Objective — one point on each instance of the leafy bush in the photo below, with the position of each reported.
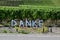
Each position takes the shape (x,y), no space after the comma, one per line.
(4,31)
(24,32)
(45,29)
(39,30)
(31,12)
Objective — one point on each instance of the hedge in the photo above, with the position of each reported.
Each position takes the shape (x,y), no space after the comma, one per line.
(9,13)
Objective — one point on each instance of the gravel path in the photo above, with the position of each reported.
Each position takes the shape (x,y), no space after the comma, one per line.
(29,37)
(47,36)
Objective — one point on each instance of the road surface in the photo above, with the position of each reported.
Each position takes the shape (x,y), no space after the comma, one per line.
(29,36)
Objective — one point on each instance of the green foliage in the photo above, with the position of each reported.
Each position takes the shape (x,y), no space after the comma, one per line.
(24,31)
(25,2)
(4,31)
(31,12)
(38,2)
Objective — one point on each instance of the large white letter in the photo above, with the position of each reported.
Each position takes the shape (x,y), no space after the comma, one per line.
(21,23)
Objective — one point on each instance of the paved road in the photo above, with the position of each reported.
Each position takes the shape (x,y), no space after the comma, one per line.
(29,37)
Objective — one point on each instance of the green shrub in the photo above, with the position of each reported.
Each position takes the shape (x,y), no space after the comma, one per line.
(45,29)
(31,13)
(4,31)
(24,32)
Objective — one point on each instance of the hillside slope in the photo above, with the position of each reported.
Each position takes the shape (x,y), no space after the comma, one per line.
(30,2)
(38,2)
(56,2)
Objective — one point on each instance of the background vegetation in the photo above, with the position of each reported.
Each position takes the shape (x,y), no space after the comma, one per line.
(29,11)
(30,2)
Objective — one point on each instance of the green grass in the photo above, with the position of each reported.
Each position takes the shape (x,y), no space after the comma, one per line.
(20,7)
(39,2)
(28,7)
(43,2)
(56,2)
(34,2)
